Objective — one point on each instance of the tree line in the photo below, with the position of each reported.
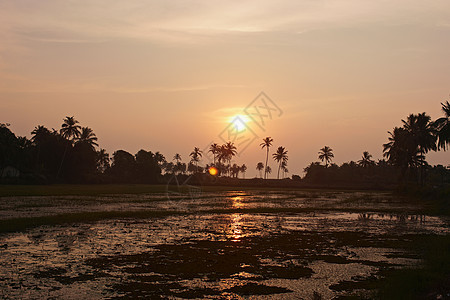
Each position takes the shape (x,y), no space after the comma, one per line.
(72,154)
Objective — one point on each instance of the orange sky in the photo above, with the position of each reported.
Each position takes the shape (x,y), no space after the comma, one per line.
(167,76)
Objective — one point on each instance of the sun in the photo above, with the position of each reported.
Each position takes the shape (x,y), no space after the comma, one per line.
(213,171)
(239,122)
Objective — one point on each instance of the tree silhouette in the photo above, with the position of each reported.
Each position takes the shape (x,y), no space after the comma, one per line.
(280,156)
(260,167)
(243,170)
(195,156)
(215,150)
(88,137)
(102,160)
(284,168)
(267,143)
(177,157)
(326,154)
(366,160)
(268,170)
(422,132)
(69,130)
(442,126)
(401,150)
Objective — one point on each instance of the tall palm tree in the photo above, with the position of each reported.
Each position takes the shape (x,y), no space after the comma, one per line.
(195,156)
(267,143)
(259,167)
(442,126)
(326,154)
(226,153)
(366,160)
(279,156)
(422,132)
(69,129)
(214,149)
(87,136)
(401,150)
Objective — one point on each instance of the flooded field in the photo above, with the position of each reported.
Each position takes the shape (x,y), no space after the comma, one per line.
(233,244)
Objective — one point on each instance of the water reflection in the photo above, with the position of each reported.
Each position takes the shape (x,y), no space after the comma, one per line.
(237,202)
(234,232)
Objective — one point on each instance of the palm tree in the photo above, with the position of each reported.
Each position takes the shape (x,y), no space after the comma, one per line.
(268,170)
(177,157)
(243,170)
(159,157)
(267,143)
(326,154)
(226,153)
(235,170)
(39,134)
(422,132)
(279,156)
(259,167)
(195,156)
(70,129)
(214,149)
(401,150)
(442,126)
(102,160)
(87,136)
(366,160)
(284,168)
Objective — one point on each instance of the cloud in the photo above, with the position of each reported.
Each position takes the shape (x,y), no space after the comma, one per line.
(185,21)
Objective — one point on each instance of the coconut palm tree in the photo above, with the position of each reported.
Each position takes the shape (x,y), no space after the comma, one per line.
(423,135)
(177,157)
(326,154)
(260,167)
(279,156)
(401,150)
(195,156)
(442,126)
(268,170)
(69,129)
(366,160)
(284,168)
(87,136)
(215,150)
(226,153)
(235,170)
(102,160)
(267,143)
(243,170)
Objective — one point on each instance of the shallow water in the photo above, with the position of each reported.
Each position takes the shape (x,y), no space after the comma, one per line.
(219,245)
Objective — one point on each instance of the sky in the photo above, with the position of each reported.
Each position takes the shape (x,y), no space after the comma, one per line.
(169,76)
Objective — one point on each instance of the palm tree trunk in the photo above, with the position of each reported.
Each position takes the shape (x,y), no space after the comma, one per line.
(279,167)
(62,161)
(265,167)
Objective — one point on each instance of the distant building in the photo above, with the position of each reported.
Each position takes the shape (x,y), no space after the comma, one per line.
(9,172)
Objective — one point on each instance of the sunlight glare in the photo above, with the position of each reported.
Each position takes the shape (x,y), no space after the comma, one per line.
(239,122)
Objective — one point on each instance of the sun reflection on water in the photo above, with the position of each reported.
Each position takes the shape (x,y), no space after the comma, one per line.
(237,202)
(235,228)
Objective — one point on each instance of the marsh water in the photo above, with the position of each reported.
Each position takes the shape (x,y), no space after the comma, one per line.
(230,244)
